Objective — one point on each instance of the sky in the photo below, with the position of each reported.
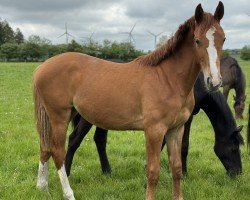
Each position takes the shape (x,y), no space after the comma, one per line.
(109,19)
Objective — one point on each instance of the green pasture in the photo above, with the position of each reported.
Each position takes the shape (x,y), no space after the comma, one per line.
(19,155)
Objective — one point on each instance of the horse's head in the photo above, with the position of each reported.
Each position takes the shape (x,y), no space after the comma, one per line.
(209,38)
(228,151)
(239,106)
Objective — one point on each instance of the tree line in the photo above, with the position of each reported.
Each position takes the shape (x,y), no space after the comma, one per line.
(14,47)
(40,49)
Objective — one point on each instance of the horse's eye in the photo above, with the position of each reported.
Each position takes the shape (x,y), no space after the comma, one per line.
(224,40)
(198,42)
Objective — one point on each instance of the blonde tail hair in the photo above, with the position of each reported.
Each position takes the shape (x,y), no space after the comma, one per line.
(42,121)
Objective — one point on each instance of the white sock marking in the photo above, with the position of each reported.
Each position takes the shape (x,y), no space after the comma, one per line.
(43,174)
(67,191)
(212,54)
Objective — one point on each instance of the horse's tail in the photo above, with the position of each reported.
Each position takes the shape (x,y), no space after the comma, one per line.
(75,120)
(42,121)
(248,128)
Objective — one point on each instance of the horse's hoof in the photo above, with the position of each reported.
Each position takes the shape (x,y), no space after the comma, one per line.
(107,171)
(69,197)
(42,186)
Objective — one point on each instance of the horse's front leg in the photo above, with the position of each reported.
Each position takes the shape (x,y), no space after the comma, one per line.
(154,137)
(174,142)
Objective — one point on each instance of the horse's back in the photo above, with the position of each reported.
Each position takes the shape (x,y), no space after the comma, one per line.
(229,71)
(95,87)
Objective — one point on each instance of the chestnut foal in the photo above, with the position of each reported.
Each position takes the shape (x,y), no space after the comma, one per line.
(153,93)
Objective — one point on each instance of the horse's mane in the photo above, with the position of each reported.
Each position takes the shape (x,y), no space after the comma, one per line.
(174,43)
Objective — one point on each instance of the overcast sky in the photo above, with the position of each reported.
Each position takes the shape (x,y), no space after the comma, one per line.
(109,18)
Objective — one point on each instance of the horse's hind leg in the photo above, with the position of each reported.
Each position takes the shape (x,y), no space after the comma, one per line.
(75,139)
(59,122)
(43,128)
(43,170)
(174,141)
(100,138)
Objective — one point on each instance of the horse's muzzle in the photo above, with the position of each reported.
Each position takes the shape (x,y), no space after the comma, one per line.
(211,86)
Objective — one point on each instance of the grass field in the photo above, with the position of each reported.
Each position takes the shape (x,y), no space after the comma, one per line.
(19,150)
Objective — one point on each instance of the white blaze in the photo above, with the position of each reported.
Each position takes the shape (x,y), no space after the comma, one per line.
(212,55)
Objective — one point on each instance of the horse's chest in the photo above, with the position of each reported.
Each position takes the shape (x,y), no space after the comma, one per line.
(183,113)
(172,113)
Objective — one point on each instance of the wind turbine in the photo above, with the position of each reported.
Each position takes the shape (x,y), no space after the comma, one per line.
(155,36)
(89,38)
(130,36)
(67,34)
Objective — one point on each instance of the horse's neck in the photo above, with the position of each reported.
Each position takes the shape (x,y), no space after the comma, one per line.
(184,66)
(240,85)
(218,112)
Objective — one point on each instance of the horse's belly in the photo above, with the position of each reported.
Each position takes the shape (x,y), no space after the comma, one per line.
(111,116)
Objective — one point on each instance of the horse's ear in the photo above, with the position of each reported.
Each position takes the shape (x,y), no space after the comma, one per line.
(219,12)
(199,14)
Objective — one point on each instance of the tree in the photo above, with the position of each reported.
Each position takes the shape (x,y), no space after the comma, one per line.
(19,38)
(123,51)
(1,33)
(35,39)
(92,48)
(106,49)
(31,52)
(127,51)
(7,33)
(245,53)
(73,46)
(9,51)
(41,47)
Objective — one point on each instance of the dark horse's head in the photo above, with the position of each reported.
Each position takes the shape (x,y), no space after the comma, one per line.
(239,106)
(228,151)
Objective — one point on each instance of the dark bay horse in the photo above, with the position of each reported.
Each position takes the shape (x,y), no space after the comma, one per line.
(153,93)
(234,78)
(227,134)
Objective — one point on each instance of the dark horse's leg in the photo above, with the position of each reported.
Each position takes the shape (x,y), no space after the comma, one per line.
(75,140)
(185,145)
(100,138)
